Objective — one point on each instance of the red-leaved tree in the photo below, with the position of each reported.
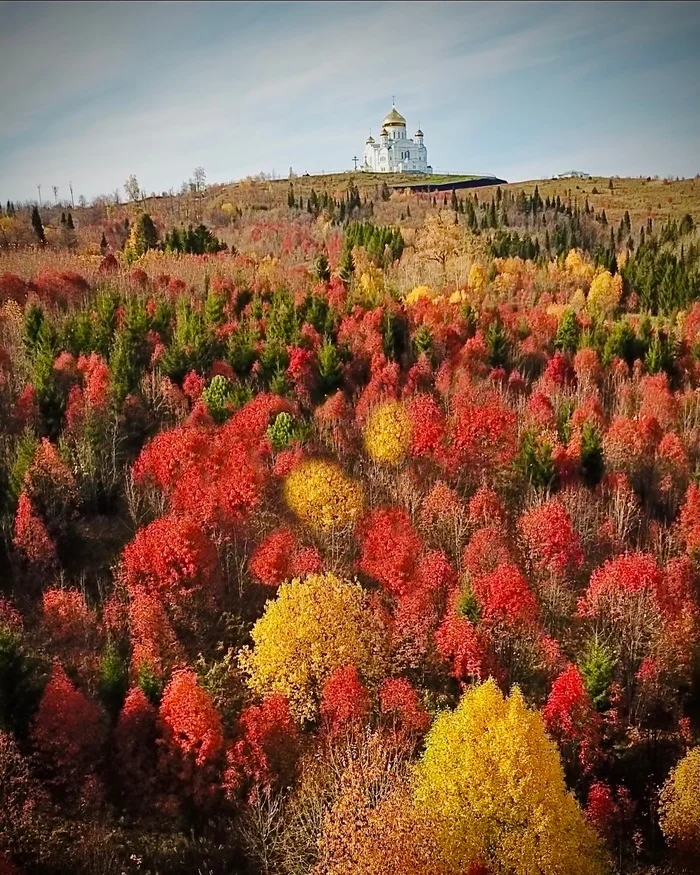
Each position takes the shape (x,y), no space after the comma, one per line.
(68,731)
(193,740)
(344,700)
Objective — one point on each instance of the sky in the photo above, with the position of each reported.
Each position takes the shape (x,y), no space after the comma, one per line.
(93,92)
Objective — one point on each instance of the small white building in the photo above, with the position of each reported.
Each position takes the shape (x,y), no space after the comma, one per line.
(395,153)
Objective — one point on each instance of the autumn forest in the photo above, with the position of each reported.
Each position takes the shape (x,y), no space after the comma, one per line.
(347,529)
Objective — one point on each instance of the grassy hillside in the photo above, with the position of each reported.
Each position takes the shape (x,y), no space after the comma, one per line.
(657,199)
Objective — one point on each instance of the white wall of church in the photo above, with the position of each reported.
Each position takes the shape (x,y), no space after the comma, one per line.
(396,152)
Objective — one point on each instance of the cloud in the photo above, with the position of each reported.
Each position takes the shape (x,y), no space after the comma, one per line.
(103,90)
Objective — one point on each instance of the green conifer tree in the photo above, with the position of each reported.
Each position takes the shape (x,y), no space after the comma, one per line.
(38,226)
(346,267)
(143,236)
(568,332)
(322,269)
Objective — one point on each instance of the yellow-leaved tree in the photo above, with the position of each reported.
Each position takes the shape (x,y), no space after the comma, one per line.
(605,293)
(419,293)
(493,784)
(312,627)
(578,266)
(439,239)
(680,808)
(477,278)
(322,495)
(388,433)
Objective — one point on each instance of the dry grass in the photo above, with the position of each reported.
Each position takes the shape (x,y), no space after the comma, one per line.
(657,199)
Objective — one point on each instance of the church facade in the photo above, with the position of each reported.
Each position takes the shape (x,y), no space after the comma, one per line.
(395,153)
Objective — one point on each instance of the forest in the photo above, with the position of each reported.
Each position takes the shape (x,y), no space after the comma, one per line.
(348,530)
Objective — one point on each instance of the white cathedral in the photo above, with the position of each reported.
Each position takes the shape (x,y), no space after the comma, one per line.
(395,153)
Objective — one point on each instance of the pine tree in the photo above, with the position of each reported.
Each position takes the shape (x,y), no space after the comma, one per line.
(38,226)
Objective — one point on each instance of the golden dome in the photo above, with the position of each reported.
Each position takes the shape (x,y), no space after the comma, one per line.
(394,119)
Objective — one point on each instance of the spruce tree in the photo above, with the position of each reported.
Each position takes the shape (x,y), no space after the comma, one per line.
(38,226)
(290,197)
(455,203)
(69,222)
(103,244)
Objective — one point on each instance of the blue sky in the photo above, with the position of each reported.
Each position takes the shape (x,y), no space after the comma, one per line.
(95,91)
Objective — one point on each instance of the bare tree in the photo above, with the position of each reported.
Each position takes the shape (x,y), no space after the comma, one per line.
(200,178)
(70,186)
(55,194)
(132,188)
(116,197)
(39,190)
